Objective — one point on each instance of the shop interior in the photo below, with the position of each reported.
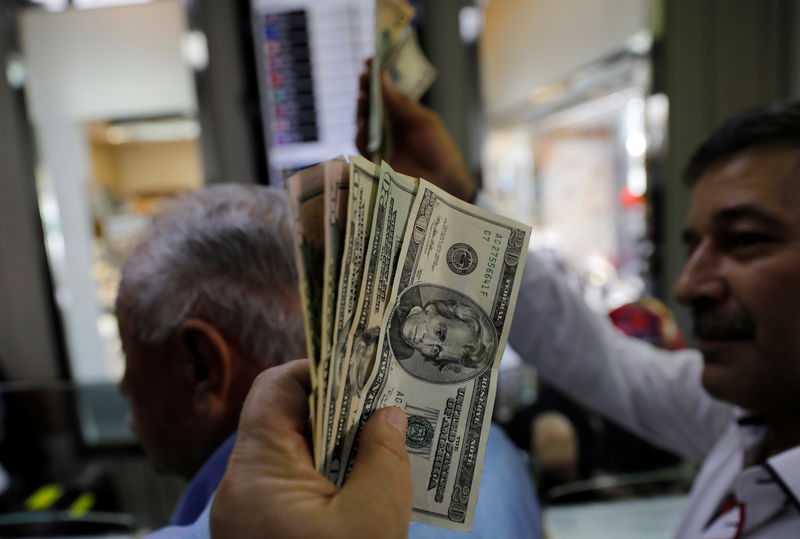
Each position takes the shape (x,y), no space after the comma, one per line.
(576,117)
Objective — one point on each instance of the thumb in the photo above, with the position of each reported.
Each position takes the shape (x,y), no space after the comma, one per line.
(380,481)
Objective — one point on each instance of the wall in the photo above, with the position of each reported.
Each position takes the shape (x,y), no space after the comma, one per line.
(527,44)
(232,141)
(107,63)
(93,65)
(142,168)
(28,329)
(454,94)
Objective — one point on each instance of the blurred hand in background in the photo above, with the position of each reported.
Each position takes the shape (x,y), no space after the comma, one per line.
(422,147)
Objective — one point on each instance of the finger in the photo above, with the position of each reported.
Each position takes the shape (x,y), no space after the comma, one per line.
(363,79)
(362,109)
(361,136)
(397,103)
(363,82)
(275,413)
(279,389)
(404,111)
(362,105)
(362,121)
(380,481)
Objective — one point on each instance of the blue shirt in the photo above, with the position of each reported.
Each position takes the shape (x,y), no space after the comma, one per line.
(204,483)
(507,505)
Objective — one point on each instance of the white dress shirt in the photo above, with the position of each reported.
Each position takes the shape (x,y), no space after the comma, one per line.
(658,395)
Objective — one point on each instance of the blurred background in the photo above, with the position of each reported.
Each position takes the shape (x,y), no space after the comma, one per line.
(576,116)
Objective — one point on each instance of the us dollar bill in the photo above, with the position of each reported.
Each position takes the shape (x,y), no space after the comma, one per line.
(337,183)
(440,347)
(392,206)
(307,201)
(392,18)
(363,180)
(408,68)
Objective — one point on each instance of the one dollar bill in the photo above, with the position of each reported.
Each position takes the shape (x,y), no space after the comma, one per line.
(392,19)
(408,68)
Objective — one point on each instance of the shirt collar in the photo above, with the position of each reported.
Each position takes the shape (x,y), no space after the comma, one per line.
(203,485)
(785,468)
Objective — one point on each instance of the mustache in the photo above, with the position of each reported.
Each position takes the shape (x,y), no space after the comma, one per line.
(709,325)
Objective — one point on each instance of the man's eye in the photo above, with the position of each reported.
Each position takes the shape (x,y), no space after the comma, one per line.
(440,332)
(745,240)
(689,247)
(436,350)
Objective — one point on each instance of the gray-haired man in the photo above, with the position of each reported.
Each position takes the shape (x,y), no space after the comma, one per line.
(208,299)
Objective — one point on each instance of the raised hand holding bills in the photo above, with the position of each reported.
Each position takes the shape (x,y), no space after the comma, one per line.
(426,290)
(397,51)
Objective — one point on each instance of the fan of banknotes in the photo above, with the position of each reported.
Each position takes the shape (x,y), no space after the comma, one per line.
(408,295)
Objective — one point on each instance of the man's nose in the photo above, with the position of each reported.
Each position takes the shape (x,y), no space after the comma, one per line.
(701,278)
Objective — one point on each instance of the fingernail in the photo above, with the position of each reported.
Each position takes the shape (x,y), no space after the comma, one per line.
(397,418)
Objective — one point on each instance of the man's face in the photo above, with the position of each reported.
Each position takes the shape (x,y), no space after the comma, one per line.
(742,278)
(433,335)
(161,408)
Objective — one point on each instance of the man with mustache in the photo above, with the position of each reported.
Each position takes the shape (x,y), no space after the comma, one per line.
(734,405)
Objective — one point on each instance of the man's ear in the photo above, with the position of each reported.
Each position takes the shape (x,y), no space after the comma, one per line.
(209,361)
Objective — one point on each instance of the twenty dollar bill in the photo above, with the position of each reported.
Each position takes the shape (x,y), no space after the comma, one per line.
(440,346)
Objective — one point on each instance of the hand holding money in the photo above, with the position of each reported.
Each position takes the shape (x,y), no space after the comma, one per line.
(422,146)
(271,487)
(418,318)
(397,52)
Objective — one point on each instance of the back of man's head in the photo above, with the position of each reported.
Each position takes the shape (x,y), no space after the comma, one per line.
(207,300)
(770,125)
(223,254)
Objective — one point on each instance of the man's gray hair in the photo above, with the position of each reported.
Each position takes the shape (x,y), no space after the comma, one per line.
(223,254)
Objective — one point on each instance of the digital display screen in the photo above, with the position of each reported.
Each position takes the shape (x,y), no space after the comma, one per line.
(310,55)
(289,80)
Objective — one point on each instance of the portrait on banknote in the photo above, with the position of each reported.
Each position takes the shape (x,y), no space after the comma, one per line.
(440,335)
(339,352)
(365,345)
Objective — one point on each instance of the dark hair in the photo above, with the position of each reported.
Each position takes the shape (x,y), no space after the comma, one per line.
(774,124)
